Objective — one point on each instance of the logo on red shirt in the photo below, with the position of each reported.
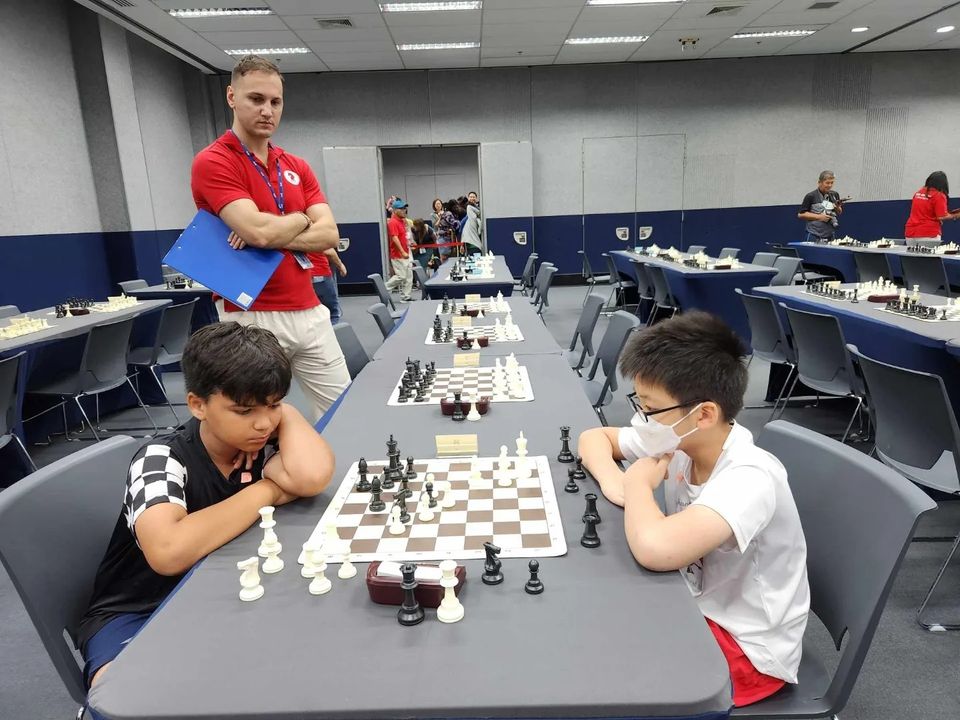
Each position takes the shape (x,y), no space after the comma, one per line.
(291,177)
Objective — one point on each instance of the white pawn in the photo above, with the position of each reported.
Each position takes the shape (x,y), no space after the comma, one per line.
(396,527)
(451,609)
(347,568)
(426,513)
(273,563)
(308,569)
(448,500)
(521,445)
(480,314)
(270,540)
(321,583)
(251,589)
(474,414)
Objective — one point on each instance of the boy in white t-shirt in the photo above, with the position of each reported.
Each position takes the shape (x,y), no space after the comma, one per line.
(731,527)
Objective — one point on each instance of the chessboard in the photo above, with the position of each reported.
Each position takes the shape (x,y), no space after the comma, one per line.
(522,519)
(475,331)
(923,313)
(487,306)
(471,382)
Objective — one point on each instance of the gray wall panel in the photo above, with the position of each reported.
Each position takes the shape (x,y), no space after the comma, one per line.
(660,172)
(493,105)
(609,175)
(507,172)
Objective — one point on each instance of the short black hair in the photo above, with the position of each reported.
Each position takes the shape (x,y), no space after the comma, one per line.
(694,356)
(938,181)
(244,363)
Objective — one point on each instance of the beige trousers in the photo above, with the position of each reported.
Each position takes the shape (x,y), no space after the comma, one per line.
(308,340)
(402,278)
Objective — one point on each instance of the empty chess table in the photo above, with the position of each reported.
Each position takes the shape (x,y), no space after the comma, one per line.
(205,311)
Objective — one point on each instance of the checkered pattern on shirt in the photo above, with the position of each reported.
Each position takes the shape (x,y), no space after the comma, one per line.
(155,477)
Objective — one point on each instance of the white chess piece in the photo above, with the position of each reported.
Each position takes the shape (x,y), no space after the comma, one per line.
(504,478)
(308,569)
(270,540)
(273,563)
(347,568)
(396,527)
(474,414)
(521,445)
(331,532)
(448,500)
(451,609)
(426,513)
(480,314)
(251,589)
(321,583)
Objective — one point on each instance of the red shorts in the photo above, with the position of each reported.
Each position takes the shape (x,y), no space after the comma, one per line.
(749,684)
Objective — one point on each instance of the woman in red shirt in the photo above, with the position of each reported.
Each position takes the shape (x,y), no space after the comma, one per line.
(928,211)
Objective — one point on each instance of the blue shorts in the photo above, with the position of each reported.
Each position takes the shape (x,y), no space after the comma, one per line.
(110,640)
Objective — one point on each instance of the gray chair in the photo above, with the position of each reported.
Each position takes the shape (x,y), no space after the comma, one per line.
(927,271)
(729,252)
(662,297)
(619,284)
(543,289)
(694,249)
(385,320)
(787,269)
(538,282)
(380,287)
(529,272)
(128,286)
(871,266)
(617,333)
(645,291)
(176,326)
(764,258)
(586,272)
(584,332)
(10,403)
(823,362)
(917,435)
(420,273)
(808,276)
(841,495)
(353,351)
(9,311)
(103,367)
(768,340)
(55,526)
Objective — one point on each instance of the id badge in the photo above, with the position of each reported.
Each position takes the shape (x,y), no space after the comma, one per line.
(302,260)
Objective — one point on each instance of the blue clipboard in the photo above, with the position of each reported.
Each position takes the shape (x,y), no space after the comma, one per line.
(203,254)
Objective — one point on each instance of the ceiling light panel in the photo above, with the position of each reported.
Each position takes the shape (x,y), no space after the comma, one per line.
(439,46)
(269,52)
(608,40)
(431,6)
(772,34)
(621,3)
(189,14)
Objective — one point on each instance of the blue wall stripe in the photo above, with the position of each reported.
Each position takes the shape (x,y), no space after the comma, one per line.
(363,256)
(500,240)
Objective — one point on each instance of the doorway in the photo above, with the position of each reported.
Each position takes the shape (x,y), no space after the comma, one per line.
(420,174)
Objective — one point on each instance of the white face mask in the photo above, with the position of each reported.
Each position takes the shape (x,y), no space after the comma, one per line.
(658,439)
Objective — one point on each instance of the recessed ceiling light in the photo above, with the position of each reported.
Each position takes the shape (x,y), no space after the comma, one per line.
(771,34)
(635,2)
(606,40)
(430,6)
(440,46)
(269,51)
(859,29)
(946,28)
(220,12)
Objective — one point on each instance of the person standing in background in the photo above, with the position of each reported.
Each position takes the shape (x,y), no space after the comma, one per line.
(447,228)
(928,210)
(325,280)
(399,248)
(423,234)
(821,208)
(436,212)
(271,199)
(471,234)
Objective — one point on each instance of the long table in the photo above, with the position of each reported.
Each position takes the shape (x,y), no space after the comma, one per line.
(841,259)
(634,641)
(440,284)
(205,311)
(696,289)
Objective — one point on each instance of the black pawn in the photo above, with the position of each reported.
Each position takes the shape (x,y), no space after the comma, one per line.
(571,486)
(404,491)
(410,612)
(565,455)
(401,502)
(458,415)
(364,484)
(591,508)
(376,502)
(578,472)
(534,586)
(431,500)
(590,539)
(492,574)
(411,473)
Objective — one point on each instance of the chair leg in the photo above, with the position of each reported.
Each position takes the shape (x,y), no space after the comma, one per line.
(33,465)
(853,417)
(146,412)
(786,400)
(936,626)
(80,712)
(153,371)
(83,412)
(603,419)
(589,290)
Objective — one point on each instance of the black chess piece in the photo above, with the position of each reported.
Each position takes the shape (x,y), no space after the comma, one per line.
(578,472)
(431,500)
(401,502)
(458,415)
(571,486)
(404,490)
(591,508)
(410,612)
(363,485)
(534,585)
(492,574)
(565,455)
(411,473)
(376,502)
(590,539)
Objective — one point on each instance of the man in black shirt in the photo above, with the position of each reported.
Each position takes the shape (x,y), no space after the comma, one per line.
(192,491)
(821,208)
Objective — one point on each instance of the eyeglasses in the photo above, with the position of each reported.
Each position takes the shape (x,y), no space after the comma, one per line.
(635,404)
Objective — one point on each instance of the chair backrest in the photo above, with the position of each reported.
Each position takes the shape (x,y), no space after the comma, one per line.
(661,291)
(353,351)
(9,311)
(840,494)
(129,285)
(538,282)
(694,249)
(384,320)
(55,526)
(105,354)
(787,268)
(543,287)
(176,326)
(585,270)
(927,271)
(729,252)
(764,258)
(618,331)
(767,337)
(916,427)
(871,266)
(9,395)
(588,322)
(612,269)
(823,362)
(782,249)
(529,270)
(644,283)
(421,274)
(380,287)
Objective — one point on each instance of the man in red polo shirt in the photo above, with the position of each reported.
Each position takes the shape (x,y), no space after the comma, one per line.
(271,199)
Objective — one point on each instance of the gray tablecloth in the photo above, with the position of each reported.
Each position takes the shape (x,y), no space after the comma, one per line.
(502,281)
(606,638)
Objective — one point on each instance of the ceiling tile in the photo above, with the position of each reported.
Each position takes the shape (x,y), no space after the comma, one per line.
(361,21)
(323,7)
(270,38)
